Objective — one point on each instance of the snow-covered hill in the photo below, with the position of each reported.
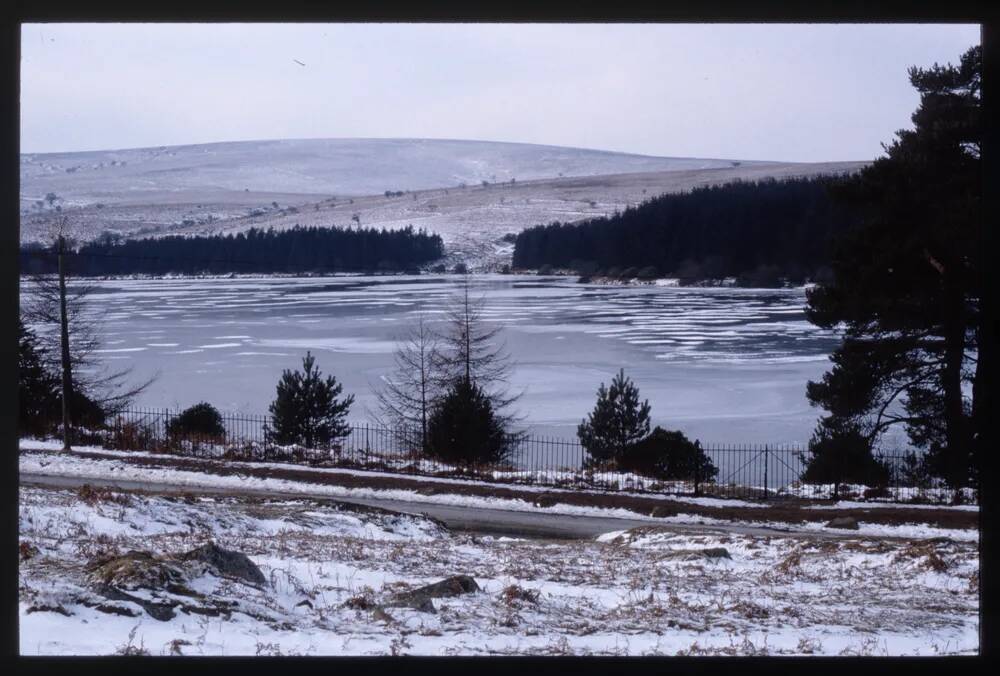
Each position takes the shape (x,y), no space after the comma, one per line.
(320,167)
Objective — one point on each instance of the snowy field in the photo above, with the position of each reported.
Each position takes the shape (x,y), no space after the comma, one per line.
(330,576)
(723,365)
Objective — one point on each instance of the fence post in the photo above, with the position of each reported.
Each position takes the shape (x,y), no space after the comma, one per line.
(836,479)
(696,463)
(766,456)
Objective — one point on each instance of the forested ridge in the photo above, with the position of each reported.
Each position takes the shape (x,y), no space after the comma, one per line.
(300,249)
(757,231)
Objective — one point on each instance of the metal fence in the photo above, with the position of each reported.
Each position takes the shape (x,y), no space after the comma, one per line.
(748,471)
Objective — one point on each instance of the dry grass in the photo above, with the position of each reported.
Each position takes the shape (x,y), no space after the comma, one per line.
(927,551)
(129,648)
(174,646)
(27,551)
(363,600)
(791,562)
(513,595)
(93,496)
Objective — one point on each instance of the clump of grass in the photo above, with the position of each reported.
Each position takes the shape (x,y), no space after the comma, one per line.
(92,496)
(268,649)
(809,646)
(27,550)
(129,648)
(931,558)
(513,595)
(750,610)
(175,646)
(791,562)
(363,600)
(99,548)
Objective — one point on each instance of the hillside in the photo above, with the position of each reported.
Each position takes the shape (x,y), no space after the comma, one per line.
(328,167)
(228,187)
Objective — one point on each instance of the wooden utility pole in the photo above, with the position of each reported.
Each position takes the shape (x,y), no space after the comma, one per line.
(67,380)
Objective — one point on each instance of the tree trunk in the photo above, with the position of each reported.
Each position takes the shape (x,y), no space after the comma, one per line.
(956,437)
(981,389)
(67,375)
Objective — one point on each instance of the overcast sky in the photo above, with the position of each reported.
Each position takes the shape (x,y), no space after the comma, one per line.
(770,92)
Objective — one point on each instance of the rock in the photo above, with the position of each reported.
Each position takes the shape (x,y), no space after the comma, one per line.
(227,563)
(135,570)
(424,606)
(112,578)
(112,609)
(545,500)
(420,599)
(383,616)
(845,522)
(661,511)
(694,554)
(716,553)
(158,611)
(47,608)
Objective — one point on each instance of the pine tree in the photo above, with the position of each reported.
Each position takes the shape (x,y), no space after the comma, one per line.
(907,282)
(464,429)
(471,350)
(38,389)
(617,422)
(307,409)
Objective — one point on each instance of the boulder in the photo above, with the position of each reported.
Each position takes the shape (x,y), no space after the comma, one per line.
(227,563)
(845,522)
(158,611)
(694,554)
(135,570)
(545,500)
(716,553)
(420,598)
(164,579)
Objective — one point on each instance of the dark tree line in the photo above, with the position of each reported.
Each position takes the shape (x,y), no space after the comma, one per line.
(300,249)
(758,230)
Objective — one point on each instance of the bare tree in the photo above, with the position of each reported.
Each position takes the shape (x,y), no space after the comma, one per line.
(472,350)
(69,327)
(408,394)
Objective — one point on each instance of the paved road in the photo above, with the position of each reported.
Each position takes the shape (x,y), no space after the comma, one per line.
(478,520)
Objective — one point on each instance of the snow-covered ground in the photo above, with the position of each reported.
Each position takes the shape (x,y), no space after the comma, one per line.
(329,572)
